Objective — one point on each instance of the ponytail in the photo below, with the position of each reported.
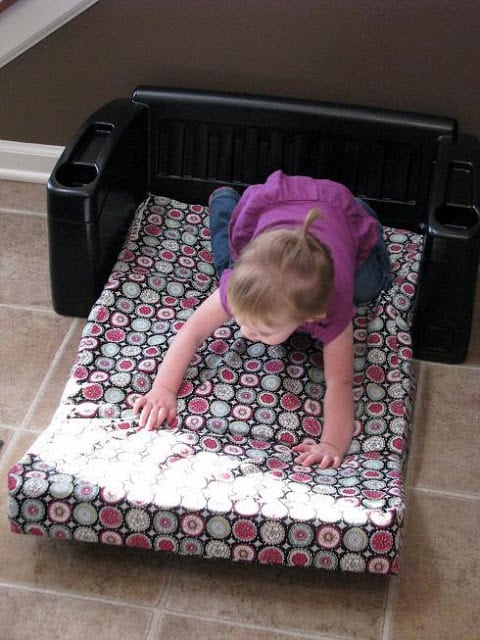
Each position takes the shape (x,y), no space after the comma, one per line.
(285,274)
(312,215)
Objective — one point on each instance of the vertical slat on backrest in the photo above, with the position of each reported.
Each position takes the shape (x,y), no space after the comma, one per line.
(200,140)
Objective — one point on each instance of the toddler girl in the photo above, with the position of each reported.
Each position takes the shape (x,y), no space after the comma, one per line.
(293,254)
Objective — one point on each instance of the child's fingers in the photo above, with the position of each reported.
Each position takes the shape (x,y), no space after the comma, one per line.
(301,447)
(172,414)
(305,459)
(157,417)
(145,415)
(323,460)
(138,404)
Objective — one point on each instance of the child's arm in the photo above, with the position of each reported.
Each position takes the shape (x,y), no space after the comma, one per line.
(160,403)
(338,406)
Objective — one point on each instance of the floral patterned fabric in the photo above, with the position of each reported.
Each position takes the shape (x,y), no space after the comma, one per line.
(222,482)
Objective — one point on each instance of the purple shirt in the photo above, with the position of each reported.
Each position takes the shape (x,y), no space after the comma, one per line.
(345,228)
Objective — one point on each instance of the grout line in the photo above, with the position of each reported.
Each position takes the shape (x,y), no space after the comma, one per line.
(79,596)
(26,307)
(156,613)
(48,375)
(18,428)
(279,632)
(151,633)
(392,589)
(23,212)
(460,365)
(445,493)
(6,451)
(171,575)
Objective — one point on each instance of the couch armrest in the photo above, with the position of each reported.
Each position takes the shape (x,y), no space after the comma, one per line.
(449,274)
(92,193)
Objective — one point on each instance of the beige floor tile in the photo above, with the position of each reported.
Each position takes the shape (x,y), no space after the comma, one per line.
(446,446)
(439,581)
(23,196)
(5,436)
(29,342)
(279,598)
(127,575)
(174,627)
(50,396)
(23,440)
(473,355)
(45,616)
(24,271)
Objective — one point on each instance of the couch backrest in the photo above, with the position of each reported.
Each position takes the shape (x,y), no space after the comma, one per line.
(199,140)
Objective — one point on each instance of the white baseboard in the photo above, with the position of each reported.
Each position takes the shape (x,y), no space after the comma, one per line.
(25,23)
(26,161)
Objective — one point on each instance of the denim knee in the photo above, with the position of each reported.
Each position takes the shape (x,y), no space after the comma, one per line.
(222,202)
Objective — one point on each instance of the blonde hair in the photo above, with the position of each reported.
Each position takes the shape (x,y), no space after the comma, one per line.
(283,276)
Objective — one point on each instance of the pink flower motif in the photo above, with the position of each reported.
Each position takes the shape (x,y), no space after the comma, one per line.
(270,555)
(219,346)
(397,407)
(165,544)
(102,314)
(152,230)
(206,256)
(92,391)
(276,463)
(301,477)
(245,530)
(211,444)
(381,541)
(299,559)
(185,389)
(228,375)
(290,402)
(267,398)
(274,366)
(138,540)
(198,405)
(111,517)
(311,426)
(188,303)
(375,373)
(115,335)
(80,372)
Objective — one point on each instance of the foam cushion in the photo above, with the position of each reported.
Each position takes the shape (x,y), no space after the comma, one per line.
(222,482)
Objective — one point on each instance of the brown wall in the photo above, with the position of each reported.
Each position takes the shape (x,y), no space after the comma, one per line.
(418,55)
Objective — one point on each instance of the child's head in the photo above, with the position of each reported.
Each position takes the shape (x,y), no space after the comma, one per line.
(283,278)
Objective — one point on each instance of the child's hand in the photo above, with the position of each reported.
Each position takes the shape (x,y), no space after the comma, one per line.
(156,407)
(326,455)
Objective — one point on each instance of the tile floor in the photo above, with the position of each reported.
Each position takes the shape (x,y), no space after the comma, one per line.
(61,591)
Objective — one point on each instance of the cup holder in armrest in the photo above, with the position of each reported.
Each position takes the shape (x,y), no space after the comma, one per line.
(458,214)
(458,217)
(76,174)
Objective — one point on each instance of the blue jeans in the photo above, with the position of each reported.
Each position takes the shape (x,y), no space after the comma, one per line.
(373,276)
(222,202)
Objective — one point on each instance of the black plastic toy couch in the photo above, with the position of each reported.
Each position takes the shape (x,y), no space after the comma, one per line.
(130,247)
